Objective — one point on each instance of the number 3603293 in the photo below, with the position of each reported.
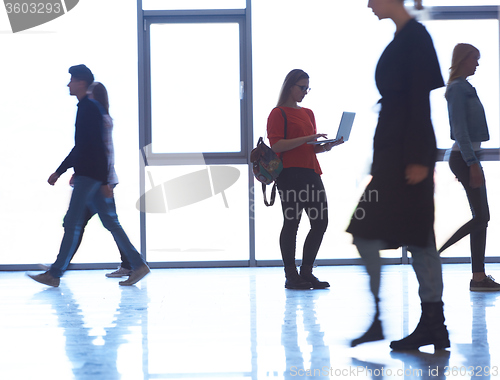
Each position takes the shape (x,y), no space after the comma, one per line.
(471,371)
(33,8)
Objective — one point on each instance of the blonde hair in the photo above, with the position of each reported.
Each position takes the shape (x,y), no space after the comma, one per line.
(460,53)
(99,93)
(292,77)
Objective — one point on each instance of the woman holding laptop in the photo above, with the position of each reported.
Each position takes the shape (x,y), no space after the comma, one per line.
(299,184)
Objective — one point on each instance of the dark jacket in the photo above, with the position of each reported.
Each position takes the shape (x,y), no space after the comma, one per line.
(88,156)
(389,209)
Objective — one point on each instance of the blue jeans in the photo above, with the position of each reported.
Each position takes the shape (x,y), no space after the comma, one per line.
(87,193)
(88,215)
(425,260)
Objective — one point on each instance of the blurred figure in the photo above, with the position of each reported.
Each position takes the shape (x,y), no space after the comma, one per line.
(397,207)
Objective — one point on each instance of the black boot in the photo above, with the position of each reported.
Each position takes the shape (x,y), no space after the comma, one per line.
(306,274)
(294,281)
(430,330)
(374,332)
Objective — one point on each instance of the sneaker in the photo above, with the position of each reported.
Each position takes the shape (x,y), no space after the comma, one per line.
(488,284)
(120,272)
(136,275)
(46,279)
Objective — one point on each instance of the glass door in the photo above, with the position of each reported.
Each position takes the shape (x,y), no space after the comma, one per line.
(195,198)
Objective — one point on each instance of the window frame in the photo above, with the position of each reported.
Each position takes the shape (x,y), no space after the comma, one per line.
(147,158)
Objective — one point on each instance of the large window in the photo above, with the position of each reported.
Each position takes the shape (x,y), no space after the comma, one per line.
(452,208)
(214,70)
(341,71)
(342,79)
(195,87)
(37,122)
(484,35)
(200,221)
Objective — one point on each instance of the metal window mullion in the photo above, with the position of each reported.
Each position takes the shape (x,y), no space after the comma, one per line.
(141,23)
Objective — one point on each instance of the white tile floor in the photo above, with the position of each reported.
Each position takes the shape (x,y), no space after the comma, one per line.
(237,324)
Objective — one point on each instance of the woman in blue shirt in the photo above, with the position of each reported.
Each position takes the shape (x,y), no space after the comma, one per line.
(469,129)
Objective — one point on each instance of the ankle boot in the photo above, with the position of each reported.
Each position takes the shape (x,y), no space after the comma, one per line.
(294,281)
(306,274)
(430,330)
(374,332)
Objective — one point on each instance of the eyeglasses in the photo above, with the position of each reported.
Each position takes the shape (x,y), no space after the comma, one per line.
(303,88)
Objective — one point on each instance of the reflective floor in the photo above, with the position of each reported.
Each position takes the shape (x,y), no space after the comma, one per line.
(237,324)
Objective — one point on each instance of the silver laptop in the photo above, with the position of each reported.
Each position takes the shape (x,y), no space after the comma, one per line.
(344,129)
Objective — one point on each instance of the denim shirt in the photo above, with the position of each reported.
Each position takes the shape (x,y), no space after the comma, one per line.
(467,118)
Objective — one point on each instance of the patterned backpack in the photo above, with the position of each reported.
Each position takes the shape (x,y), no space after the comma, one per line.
(267,165)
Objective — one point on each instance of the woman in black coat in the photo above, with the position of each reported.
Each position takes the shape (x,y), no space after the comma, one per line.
(397,207)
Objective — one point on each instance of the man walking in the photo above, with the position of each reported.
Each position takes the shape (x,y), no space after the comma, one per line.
(89,161)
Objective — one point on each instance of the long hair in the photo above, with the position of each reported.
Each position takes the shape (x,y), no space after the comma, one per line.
(292,77)
(460,53)
(100,94)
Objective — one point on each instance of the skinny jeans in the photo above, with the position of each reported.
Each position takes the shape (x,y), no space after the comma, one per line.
(302,189)
(87,194)
(478,202)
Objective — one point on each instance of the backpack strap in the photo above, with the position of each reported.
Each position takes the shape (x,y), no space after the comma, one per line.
(273,194)
(264,186)
(284,117)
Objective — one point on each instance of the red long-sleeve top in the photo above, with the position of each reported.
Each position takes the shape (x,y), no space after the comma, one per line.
(300,122)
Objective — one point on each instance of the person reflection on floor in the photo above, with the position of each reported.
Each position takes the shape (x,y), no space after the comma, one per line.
(371,370)
(477,353)
(89,356)
(299,303)
(422,365)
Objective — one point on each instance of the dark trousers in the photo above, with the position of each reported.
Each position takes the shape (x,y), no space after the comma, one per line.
(300,190)
(477,226)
